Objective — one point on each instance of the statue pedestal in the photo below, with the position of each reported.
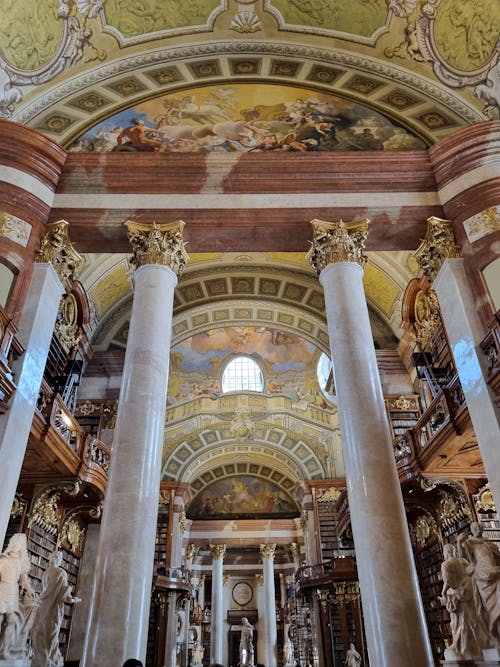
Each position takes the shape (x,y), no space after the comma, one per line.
(491,658)
(452,660)
(15,662)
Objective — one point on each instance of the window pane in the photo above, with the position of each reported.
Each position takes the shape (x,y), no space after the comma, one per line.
(242,374)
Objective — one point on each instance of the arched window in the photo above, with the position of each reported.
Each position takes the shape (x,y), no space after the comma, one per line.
(242,374)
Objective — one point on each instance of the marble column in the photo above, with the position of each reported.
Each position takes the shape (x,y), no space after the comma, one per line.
(217,633)
(35,333)
(267,552)
(438,257)
(394,618)
(119,613)
(171,633)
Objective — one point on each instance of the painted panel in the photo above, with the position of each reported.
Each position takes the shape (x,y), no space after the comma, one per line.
(247,118)
(30,33)
(241,497)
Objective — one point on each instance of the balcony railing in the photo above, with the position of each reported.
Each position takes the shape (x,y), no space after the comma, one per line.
(491,348)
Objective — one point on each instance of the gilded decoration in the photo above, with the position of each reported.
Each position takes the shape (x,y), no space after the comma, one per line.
(294,550)
(330,495)
(242,424)
(437,245)
(45,512)
(451,510)
(18,505)
(218,551)
(482,224)
(56,248)
(267,551)
(191,551)
(259,579)
(14,228)
(484,501)
(182,521)
(422,530)
(427,316)
(158,244)
(337,242)
(74,534)
(67,329)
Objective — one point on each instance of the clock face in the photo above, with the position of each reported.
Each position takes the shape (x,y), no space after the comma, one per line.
(242,593)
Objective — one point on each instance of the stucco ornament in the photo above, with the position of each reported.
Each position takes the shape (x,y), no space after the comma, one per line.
(33,57)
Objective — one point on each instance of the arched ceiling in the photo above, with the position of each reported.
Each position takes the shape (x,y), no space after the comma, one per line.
(431,65)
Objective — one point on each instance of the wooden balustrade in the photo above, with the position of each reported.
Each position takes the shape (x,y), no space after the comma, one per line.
(490,345)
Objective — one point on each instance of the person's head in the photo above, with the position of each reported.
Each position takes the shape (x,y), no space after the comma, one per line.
(449,551)
(132,662)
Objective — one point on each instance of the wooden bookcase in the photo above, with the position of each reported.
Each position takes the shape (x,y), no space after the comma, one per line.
(41,544)
(403,412)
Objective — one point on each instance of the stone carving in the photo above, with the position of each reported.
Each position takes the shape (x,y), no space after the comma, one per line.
(242,425)
(437,245)
(245,21)
(469,633)
(246,643)
(56,248)
(337,242)
(14,228)
(49,614)
(483,557)
(352,657)
(16,599)
(158,244)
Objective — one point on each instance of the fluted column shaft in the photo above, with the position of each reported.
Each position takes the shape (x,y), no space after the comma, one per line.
(464,331)
(35,333)
(394,618)
(118,625)
(217,632)
(271,634)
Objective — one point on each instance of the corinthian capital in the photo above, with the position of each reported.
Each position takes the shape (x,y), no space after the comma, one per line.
(267,551)
(218,551)
(337,242)
(158,244)
(437,245)
(56,248)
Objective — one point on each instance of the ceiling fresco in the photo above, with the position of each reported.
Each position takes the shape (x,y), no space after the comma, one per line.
(247,118)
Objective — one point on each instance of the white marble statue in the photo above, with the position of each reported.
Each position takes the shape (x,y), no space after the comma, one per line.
(288,653)
(468,630)
(352,657)
(16,598)
(483,557)
(49,614)
(246,643)
(197,653)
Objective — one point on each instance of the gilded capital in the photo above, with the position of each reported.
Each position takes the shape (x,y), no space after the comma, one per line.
(337,242)
(191,551)
(56,248)
(158,244)
(218,551)
(437,245)
(267,551)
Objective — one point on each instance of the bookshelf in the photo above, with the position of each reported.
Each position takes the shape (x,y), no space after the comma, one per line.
(41,544)
(403,413)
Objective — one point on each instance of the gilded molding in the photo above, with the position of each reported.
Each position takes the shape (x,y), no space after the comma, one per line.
(191,551)
(267,551)
(158,244)
(337,242)
(218,551)
(437,245)
(329,495)
(56,248)
(182,521)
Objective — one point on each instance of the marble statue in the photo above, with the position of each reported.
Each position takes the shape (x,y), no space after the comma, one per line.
(288,654)
(16,598)
(483,557)
(246,643)
(468,630)
(49,614)
(197,653)
(352,657)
